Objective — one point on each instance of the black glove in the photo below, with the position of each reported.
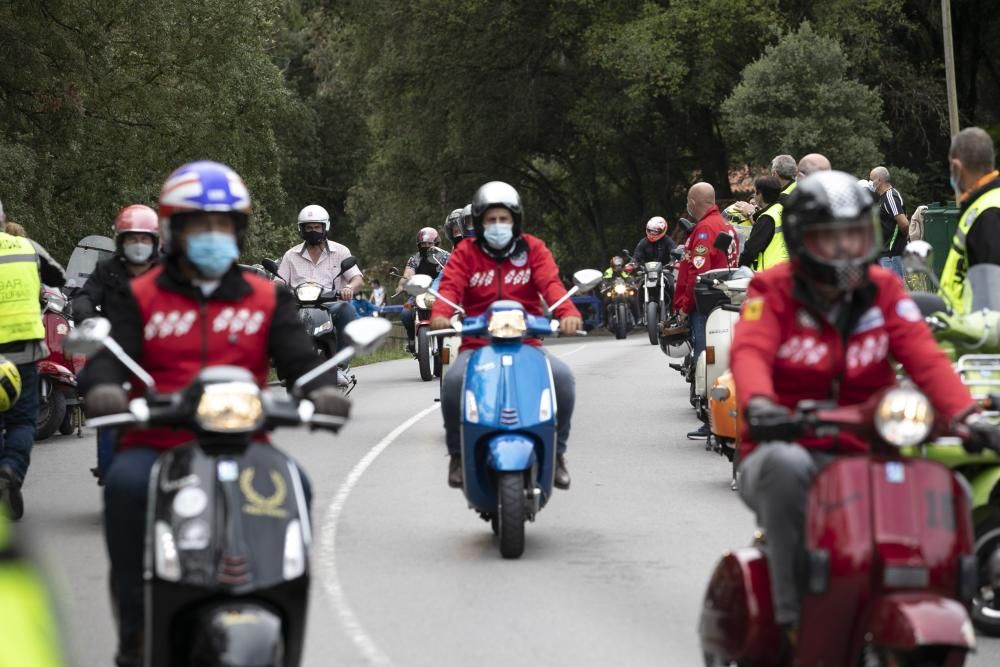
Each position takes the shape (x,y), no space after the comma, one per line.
(105,399)
(330,401)
(982,434)
(768,421)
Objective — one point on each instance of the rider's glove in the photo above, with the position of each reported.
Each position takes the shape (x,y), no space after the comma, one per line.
(330,401)
(768,421)
(106,399)
(982,434)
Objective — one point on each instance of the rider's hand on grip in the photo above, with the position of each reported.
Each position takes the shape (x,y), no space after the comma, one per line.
(768,421)
(439,323)
(982,434)
(106,399)
(329,401)
(568,326)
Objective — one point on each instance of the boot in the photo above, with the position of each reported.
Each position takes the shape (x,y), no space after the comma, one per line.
(411,346)
(11,501)
(562,478)
(455,472)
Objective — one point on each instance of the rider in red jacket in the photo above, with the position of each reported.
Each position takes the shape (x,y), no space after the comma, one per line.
(502,263)
(826,325)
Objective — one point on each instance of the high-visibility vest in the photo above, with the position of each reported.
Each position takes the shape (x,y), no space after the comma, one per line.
(957,263)
(20,285)
(776,252)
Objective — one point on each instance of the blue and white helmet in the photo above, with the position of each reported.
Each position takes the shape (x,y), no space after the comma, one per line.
(203,186)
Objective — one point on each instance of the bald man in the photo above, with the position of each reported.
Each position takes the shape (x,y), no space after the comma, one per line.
(974,177)
(700,255)
(892,216)
(810,164)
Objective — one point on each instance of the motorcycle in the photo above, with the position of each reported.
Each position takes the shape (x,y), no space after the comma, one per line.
(310,298)
(508,413)
(658,297)
(890,564)
(59,407)
(428,348)
(228,530)
(618,296)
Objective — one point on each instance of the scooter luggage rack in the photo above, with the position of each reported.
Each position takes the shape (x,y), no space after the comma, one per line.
(979,371)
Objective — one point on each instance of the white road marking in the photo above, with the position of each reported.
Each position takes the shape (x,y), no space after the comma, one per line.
(327,556)
(573,351)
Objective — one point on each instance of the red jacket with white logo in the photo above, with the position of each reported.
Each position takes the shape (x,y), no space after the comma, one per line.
(786,351)
(475,279)
(700,255)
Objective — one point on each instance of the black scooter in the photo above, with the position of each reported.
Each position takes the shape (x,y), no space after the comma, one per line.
(228,532)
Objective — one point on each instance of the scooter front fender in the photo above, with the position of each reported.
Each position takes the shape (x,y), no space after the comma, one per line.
(238,635)
(983,485)
(510,452)
(57,372)
(908,621)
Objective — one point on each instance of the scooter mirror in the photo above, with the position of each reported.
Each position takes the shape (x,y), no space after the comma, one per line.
(418,284)
(88,337)
(678,252)
(587,279)
(367,333)
(270,265)
(348,263)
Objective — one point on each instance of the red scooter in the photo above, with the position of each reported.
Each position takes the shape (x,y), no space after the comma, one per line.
(58,401)
(890,561)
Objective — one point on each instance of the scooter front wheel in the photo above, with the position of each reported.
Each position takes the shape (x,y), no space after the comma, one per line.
(986,605)
(511,513)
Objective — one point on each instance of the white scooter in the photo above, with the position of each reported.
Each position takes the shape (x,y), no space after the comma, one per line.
(719,293)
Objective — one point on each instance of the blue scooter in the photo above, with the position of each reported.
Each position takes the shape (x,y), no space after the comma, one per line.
(508,413)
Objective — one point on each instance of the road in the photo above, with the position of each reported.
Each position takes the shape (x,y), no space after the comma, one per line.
(404,574)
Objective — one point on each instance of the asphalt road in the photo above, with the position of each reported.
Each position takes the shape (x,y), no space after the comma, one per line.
(404,574)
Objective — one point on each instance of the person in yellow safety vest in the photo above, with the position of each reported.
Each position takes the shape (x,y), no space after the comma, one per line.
(24,265)
(977,238)
(29,633)
(766,245)
(784,168)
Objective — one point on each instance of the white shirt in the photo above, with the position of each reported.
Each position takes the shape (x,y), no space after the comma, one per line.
(297,267)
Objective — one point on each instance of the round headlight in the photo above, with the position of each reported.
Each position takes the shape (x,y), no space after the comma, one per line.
(425,301)
(230,407)
(904,417)
(308,291)
(619,288)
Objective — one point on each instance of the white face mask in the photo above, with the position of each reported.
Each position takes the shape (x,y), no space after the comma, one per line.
(138,253)
(498,235)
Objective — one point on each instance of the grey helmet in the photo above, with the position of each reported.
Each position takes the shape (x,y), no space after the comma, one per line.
(492,194)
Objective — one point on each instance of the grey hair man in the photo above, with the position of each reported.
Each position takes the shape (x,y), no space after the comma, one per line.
(783,168)
(892,215)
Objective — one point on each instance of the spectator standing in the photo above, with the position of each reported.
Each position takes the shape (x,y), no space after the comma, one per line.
(378,294)
(892,215)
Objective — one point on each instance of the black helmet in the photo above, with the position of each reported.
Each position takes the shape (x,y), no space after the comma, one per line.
(496,193)
(826,201)
(468,226)
(453,226)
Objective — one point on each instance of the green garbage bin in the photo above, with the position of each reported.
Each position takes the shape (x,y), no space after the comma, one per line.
(940,221)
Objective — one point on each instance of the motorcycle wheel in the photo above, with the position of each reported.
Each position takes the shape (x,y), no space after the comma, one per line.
(511,514)
(621,321)
(653,322)
(986,604)
(424,355)
(51,413)
(437,362)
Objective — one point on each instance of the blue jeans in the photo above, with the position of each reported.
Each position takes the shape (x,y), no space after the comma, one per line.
(107,438)
(894,264)
(126,492)
(408,318)
(698,323)
(17,425)
(343,312)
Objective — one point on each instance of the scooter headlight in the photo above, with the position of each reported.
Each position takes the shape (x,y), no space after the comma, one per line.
(230,407)
(308,291)
(904,417)
(425,301)
(507,324)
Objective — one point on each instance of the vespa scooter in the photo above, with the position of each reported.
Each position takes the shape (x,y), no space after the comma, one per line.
(508,413)
(58,400)
(228,531)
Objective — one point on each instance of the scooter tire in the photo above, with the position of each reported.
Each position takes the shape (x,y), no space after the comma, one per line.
(621,324)
(67,427)
(424,355)
(511,514)
(653,322)
(986,617)
(51,413)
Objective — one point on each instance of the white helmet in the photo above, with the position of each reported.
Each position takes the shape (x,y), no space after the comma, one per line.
(314,213)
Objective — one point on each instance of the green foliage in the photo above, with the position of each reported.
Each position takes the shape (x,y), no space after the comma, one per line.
(798,99)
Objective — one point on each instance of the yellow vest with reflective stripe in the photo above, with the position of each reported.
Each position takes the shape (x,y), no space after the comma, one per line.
(776,252)
(20,311)
(957,263)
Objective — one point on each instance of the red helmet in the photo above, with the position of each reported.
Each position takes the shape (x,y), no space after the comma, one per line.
(428,235)
(137,218)
(656,229)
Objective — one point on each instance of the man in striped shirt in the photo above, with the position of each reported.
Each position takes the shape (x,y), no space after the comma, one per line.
(892,215)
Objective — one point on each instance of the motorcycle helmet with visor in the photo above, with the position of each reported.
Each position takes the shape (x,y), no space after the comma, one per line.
(831,229)
(453,226)
(656,229)
(427,238)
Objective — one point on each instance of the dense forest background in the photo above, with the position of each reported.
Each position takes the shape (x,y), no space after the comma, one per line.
(391,113)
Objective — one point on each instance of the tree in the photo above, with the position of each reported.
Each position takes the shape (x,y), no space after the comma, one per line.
(798,99)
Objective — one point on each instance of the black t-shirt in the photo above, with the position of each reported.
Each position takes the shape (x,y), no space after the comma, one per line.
(983,240)
(891,205)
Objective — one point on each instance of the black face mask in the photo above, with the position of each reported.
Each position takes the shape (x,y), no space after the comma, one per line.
(314,238)
(455,240)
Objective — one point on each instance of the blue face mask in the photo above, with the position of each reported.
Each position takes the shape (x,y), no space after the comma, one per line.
(212,252)
(499,235)
(953,181)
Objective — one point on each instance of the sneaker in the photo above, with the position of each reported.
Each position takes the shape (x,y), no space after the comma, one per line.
(700,433)
(11,501)
(342,379)
(455,477)
(562,478)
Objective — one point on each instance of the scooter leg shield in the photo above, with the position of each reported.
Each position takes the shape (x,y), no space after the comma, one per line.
(510,453)
(905,622)
(238,635)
